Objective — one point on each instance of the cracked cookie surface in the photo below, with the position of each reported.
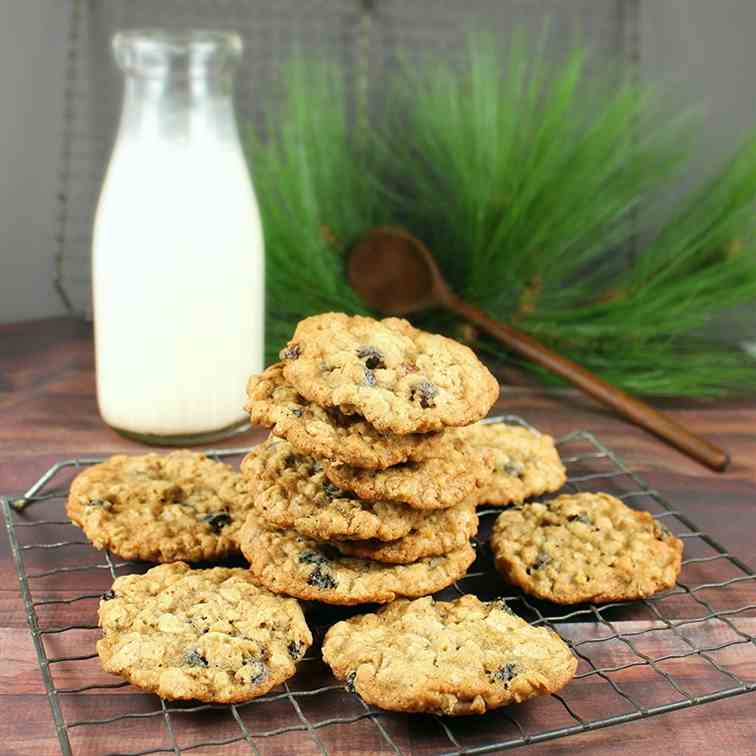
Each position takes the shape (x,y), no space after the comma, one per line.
(526,462)
(450,658)
(161,507)
(447,472)
(585,547)
(400,379)
(292,491)
(325,431)
(439,532)
(206,635)
(285,562)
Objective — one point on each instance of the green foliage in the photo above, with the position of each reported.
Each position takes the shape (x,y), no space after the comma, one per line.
(526,181)
(314,189)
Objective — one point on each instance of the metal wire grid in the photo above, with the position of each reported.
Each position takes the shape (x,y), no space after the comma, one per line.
(363,37)
(589,702)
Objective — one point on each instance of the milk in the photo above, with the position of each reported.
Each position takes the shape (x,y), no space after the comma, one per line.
(178,269)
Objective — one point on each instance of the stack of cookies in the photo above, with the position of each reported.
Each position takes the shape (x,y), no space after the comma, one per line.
(367,487)
(365,492)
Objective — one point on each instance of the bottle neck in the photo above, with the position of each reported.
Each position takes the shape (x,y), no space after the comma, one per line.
(178,108)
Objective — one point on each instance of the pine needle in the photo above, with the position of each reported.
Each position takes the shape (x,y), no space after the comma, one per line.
(315,196)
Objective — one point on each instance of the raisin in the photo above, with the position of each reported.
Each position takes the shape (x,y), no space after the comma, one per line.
(331,491)
(217,520)
(312,557)
(511,467)
(372,356)
(108,596)
(295,649)
(540,561)
(194,658)
(291,352)
(369,377)
(504,674)
(426,392)
(259,672)
(321,579)
(325,553)
(349,682)
(297,411)
(581,517)
(100,504)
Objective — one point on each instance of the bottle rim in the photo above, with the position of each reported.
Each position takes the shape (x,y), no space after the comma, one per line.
(157,52)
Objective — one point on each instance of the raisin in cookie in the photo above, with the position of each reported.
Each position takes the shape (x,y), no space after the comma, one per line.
(206,635)
(446,473)
(585,547)
(285,562)
(526,462)
(439,532)
(400,379)
(293,492)
(161,508)
(451,658)
(325,431)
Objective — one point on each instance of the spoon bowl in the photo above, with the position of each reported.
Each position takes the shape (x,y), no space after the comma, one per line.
(395,273)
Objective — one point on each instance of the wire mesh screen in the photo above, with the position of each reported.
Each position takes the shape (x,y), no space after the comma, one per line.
(684,647)
(363,36)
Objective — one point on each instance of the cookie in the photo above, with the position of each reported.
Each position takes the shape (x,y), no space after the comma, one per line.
(446,473)
(325,432)
(585,547)
(205,635)
(161,508)
(439,532)
(285,562)
(526,462)
(293,492)
(451,658)
(400,379)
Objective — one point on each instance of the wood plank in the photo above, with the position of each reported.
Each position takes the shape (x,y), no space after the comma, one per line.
(48,412)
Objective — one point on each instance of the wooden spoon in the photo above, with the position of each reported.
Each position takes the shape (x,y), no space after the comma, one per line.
(396,274)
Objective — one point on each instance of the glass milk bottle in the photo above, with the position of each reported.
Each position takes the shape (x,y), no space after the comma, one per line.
(178,266)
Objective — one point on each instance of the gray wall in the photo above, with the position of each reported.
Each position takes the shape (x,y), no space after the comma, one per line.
(705,50)
(702,47)
(32,51)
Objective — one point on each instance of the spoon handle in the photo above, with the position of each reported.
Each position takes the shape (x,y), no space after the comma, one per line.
(633,409)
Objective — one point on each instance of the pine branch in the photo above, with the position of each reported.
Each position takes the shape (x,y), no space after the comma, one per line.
(523,182)
(524,179)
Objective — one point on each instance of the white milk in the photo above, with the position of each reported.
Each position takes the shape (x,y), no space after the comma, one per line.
(178,274)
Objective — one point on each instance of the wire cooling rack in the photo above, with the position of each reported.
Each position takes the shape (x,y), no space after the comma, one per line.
(637,659)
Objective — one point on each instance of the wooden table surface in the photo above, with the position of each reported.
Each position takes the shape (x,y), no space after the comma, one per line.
(48,412)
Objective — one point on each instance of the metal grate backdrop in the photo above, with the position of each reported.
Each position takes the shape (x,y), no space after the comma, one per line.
(364,36)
